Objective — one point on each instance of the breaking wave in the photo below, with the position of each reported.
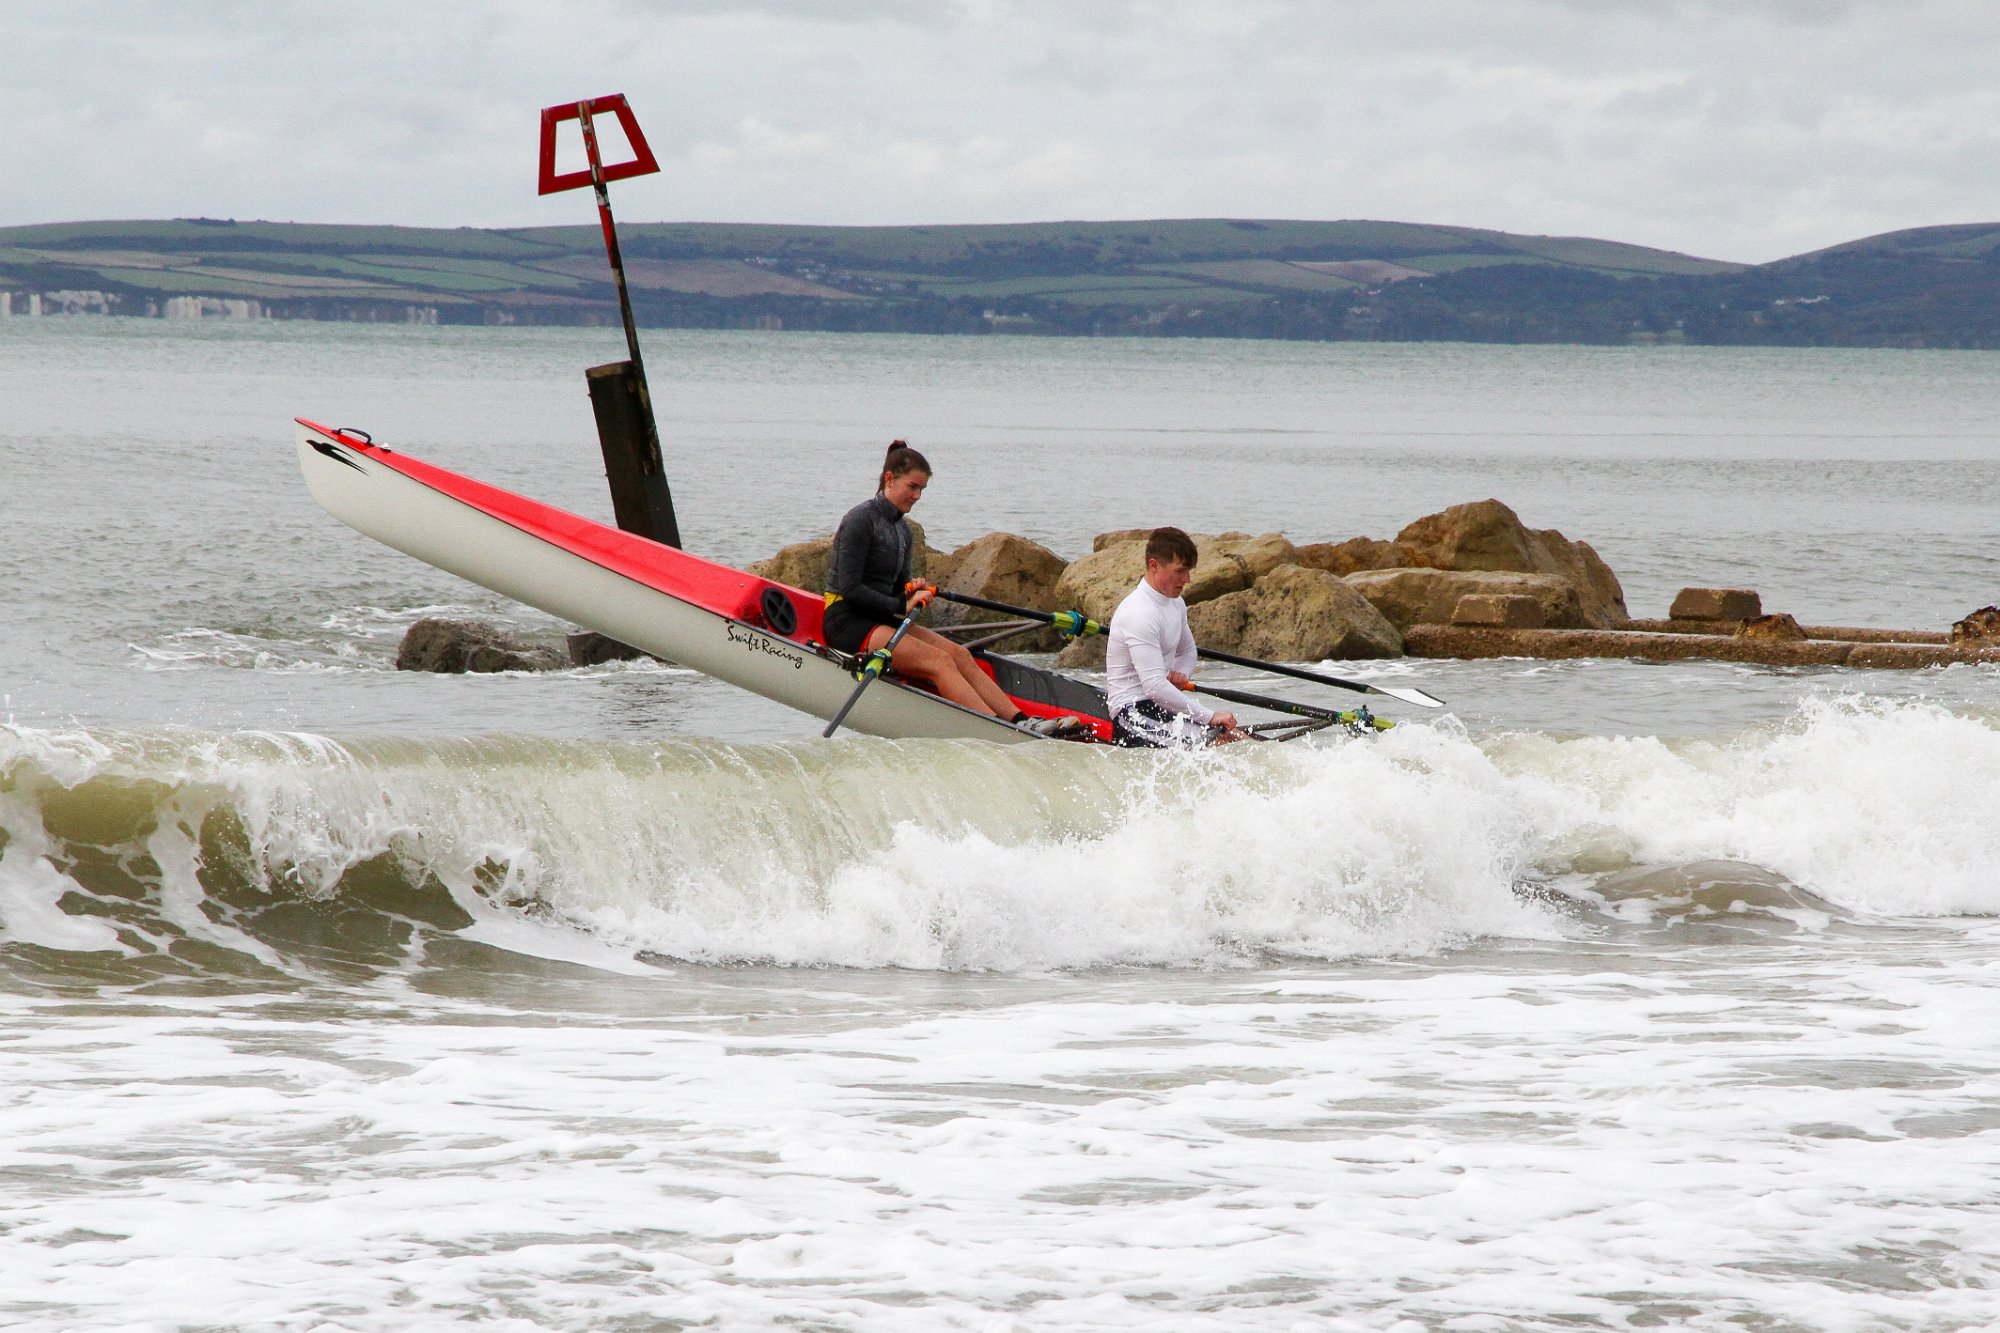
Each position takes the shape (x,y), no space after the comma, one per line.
(152,857)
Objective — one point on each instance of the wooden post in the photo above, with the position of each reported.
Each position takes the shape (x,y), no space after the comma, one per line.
(640,498)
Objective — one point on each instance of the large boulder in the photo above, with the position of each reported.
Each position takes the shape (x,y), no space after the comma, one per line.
(1482,535)
(1407,597)
(1295,614)
(1003,568)
(1487,535)
(1257,555)
(1224,563)
(1352,556)
(1096,583)
(800,565)
(1118,536)
(926,563)
(455,646)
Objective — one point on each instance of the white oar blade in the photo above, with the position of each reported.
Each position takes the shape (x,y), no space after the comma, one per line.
(1408,696)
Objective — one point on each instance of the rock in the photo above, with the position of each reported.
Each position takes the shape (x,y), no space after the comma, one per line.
(1603,596)
(1482,535)
(1257,555)
(1981,629)
(1296,614)
(1292,614)
(1716,604)
(1407,597)
(1352,556)
(935,566)
(1004,568)
(1221,624)
(589,648)
(1778,628)
(800,565)
(1096,584)
(1119,536)
(1086,654)
(453,646)
(1226,563)
(1504,610)
(1487,535)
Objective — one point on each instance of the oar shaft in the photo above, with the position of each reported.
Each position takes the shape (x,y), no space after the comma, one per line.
(1266,701)
(875,664)
(1319,678)
(989,604)
(1280,669)
(1360,717)
(1073,624)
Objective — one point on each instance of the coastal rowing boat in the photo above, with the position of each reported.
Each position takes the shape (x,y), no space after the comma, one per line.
(751,632)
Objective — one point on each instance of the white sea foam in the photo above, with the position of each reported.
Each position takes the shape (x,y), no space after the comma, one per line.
(936,855)
(1683,1145)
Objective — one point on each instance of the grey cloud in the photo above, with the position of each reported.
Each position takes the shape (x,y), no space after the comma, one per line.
(1746,130)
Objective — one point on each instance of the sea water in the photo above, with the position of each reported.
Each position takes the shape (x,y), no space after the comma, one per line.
(1619,996)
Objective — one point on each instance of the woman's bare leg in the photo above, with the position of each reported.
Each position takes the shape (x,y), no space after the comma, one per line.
(962,661)
(946,667)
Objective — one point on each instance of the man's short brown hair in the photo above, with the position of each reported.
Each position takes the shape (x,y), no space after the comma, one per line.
(1168,545)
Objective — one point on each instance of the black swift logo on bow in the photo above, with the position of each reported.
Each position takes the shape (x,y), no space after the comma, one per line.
(333,452)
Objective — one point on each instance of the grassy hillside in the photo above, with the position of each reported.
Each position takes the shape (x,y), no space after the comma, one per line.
(1933,286)
(683,270)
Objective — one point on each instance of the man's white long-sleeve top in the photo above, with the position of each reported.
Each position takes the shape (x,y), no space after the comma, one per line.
(1149,637)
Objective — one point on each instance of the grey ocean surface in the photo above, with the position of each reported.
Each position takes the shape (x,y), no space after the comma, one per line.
(1625,995)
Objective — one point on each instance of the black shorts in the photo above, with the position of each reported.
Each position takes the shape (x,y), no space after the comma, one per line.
(1147,726)
(846,628)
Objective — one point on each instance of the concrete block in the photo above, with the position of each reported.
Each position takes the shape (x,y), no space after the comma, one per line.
(1717,604)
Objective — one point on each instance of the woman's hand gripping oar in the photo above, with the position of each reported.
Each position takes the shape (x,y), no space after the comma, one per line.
(878,661)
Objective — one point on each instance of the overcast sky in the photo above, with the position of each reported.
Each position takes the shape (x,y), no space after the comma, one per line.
(1746,129)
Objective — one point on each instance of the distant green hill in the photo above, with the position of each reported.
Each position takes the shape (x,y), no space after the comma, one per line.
(1213,277)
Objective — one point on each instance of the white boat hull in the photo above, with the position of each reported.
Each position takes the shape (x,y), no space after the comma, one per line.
(367,489)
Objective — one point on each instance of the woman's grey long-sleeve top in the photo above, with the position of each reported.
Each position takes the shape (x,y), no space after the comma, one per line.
(871,560)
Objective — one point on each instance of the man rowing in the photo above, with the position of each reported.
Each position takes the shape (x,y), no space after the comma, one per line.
(1150,653)
(869,593)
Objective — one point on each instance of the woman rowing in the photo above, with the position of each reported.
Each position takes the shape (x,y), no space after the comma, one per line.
(869,592)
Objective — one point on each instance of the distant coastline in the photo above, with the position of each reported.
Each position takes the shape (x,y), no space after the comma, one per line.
(1351,280)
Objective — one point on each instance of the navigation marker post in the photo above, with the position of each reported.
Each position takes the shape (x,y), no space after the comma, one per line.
(619,398)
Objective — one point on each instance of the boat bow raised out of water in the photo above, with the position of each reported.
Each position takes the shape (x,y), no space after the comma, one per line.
(723,622)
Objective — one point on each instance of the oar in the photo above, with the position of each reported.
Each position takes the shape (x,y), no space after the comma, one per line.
(1069,624)
(1359,717)
(1075,625)
(1408,696)
(877,662)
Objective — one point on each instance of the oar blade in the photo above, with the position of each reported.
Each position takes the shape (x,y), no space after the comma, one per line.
(1407,695)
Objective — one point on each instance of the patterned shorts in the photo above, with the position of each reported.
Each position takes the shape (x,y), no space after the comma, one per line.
(1147,726)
